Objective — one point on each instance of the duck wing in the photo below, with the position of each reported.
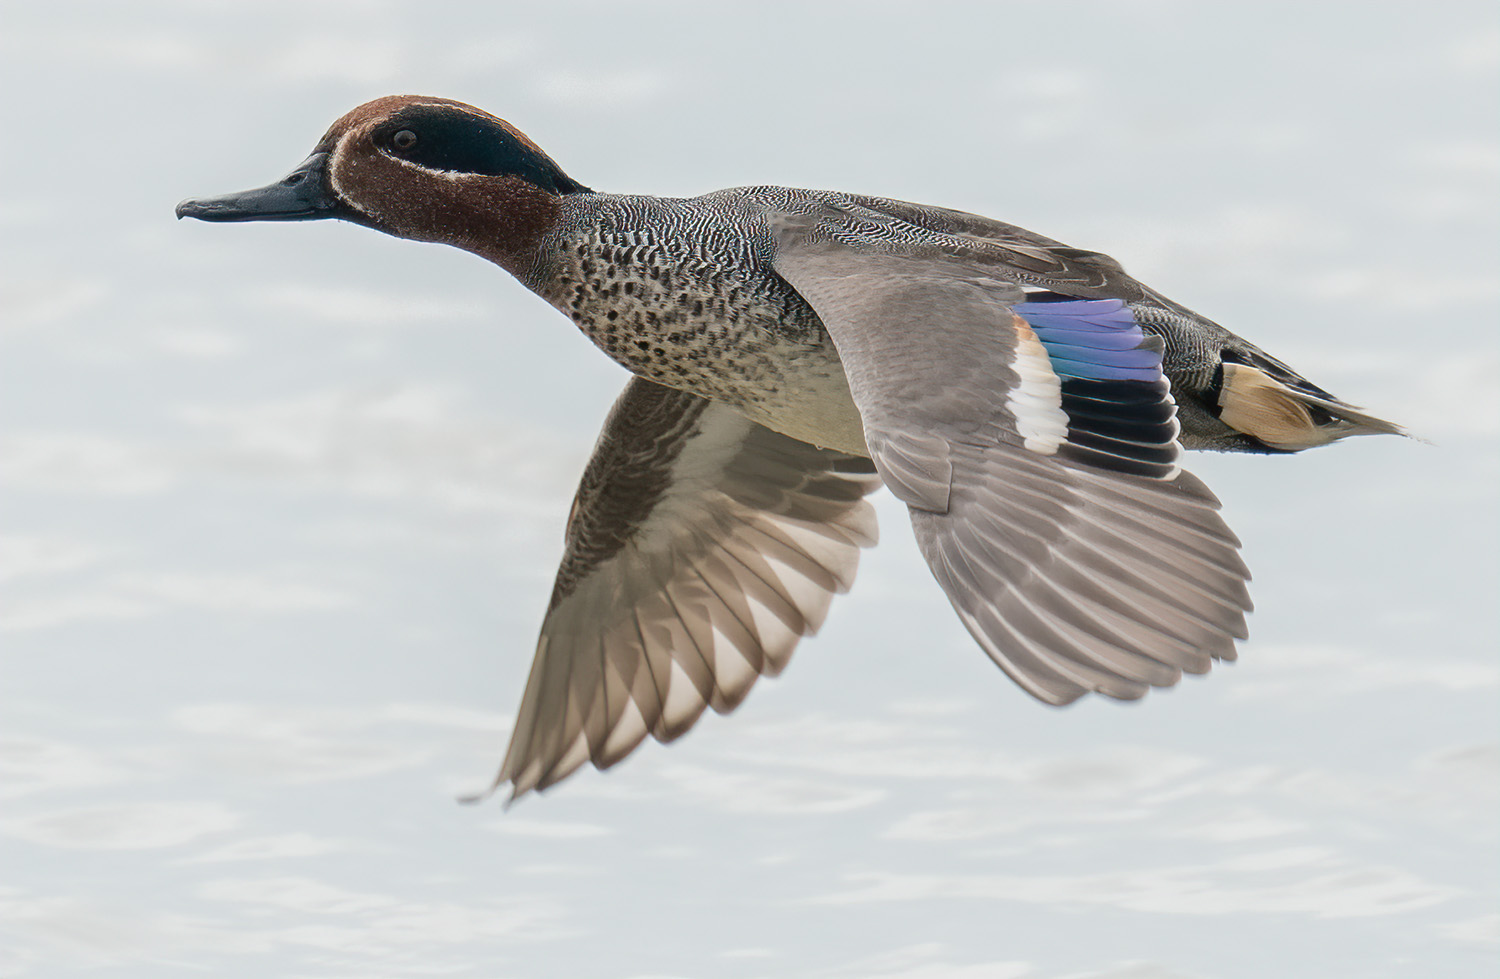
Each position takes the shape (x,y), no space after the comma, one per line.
(1033,260)
(1034,440)
(1240,385)
(700,548)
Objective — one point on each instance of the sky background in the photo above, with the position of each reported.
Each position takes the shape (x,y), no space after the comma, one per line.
(280,507)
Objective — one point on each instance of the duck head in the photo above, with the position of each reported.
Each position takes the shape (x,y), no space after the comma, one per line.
(423,168)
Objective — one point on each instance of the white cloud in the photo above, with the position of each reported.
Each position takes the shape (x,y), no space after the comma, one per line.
(277,847)
(373,933)
(197,343)
(482,55)
(446,715)
(1482,930)
(559,870)
(26,614)
(1307,670)
(1449,292)
(1476,54)
(1453,397)
(367,306)
(868,747)
(930,960)
(1239,825)
(67,930)
(339,57)
(1459,157)
(1049,84)
(32,556)
(1043,105)
(1308,881)
(299,894)
(398,440)
(601,88)
(356,933)
(963,823)
(127,826)
(1035,817)
(31,765)
(946,707)
(916,747)
(145,594)
(327,743)
(549,829)
(395,440)
(79,462)
(1234,243)
(372,923)
(748,953)
(255,720)
(258,592)
(755,793)
(1473,768)
(1239,246)
(151,51)
(1134,970)
(295,745)
(45,302)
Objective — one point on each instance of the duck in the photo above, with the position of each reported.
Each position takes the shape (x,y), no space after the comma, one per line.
(791,352)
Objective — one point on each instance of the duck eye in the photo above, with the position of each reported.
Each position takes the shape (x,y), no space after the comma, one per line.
(404,140)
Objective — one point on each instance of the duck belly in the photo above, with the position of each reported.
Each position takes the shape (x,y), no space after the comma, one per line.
(805,397)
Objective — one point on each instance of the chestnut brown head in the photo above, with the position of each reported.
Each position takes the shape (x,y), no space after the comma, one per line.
(417,167)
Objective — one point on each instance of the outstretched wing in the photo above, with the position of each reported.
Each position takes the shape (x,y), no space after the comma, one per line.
(701,547)
(1033,438)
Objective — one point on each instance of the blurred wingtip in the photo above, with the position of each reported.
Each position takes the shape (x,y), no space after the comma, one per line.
(474,798)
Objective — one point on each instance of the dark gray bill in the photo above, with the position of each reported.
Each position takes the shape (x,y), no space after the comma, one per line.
(301,195)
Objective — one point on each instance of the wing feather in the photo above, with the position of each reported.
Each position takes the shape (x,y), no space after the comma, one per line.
(701,548)
(1080,557)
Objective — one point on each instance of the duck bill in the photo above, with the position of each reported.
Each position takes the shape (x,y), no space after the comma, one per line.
(301,195)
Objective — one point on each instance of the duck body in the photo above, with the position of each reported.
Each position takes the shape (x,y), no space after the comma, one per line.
(793,350)
(683,291)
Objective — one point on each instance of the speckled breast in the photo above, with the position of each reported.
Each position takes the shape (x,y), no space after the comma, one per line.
(683,295)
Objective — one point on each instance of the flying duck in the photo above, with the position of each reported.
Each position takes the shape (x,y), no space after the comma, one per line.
(793,350)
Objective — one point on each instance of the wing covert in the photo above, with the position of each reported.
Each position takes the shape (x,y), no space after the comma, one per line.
(1033,438)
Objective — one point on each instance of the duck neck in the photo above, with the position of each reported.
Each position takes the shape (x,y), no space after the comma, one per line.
(502,218)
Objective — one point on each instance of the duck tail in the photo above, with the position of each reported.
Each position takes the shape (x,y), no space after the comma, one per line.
(1292,416)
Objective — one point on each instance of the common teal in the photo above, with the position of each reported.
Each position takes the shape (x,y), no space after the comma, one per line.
(792,351)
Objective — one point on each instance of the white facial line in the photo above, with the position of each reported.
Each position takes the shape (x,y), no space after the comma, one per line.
(339,149)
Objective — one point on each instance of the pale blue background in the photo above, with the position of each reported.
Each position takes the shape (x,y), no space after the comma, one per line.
(282,505)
